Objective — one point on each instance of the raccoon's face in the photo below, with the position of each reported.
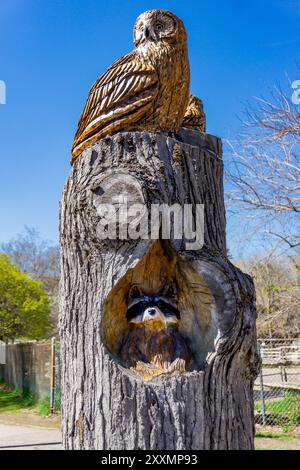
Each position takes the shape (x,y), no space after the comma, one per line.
(161,307)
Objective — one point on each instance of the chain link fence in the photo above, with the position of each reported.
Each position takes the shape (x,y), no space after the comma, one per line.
(277,388)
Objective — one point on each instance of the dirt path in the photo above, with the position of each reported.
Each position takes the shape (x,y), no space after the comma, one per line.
(14,437)
(270,443)
(29,417)
(25,429)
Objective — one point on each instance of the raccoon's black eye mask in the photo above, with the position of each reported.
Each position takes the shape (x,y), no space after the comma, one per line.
(142,305)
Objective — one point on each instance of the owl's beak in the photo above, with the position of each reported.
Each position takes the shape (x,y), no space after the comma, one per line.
(148,35)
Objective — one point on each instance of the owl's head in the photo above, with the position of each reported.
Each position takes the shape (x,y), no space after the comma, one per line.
(155,26)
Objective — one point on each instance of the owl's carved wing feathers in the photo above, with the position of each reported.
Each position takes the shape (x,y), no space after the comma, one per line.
(126,90)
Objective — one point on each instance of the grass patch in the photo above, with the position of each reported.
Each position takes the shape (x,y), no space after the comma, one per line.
(273,435)
(285,409)
(14,400)
(43,407)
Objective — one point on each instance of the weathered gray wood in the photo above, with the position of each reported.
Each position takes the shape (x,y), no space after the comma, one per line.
(104,405)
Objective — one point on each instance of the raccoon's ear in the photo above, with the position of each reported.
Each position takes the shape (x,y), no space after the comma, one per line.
(134,292)
(169,290)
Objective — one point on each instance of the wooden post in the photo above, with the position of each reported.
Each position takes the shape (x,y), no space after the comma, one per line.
(52,376)
(105,404)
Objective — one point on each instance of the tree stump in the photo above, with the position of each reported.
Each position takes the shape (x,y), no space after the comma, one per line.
(106,405)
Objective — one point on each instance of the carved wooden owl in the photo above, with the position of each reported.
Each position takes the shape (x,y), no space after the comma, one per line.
(146,90)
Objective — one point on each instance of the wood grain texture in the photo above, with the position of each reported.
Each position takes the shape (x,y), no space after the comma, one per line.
(104,404)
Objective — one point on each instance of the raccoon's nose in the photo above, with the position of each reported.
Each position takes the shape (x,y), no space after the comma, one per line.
(151,311)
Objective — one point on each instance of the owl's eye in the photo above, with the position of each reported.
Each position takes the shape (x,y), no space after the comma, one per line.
(159,27)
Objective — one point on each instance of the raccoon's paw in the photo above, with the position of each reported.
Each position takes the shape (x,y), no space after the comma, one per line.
(143,366)
(159,363)
(178,365)
(146,370)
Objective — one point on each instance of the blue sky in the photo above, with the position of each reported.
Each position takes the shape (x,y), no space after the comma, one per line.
(51,52)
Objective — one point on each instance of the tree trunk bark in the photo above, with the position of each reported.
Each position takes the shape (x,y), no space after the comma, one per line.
(106,405)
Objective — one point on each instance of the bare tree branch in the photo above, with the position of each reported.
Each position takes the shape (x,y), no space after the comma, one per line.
(263,171)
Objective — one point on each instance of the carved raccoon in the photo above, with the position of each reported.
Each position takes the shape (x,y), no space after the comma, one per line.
(154,342)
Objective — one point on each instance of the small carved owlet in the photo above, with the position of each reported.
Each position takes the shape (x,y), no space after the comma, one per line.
(194,117)
(146,90)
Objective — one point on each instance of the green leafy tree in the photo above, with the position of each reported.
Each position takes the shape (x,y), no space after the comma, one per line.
(24,305)
(39,259)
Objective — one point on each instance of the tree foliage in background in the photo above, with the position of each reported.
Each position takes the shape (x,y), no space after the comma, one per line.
(277,283)
(39,259)
(263,189)
(24,305)
(264,172)
(34,256)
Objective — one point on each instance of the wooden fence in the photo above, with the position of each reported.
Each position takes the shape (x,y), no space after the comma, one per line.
(32,367)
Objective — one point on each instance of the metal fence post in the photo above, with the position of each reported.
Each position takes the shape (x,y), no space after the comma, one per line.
(284,373)
(263,403)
